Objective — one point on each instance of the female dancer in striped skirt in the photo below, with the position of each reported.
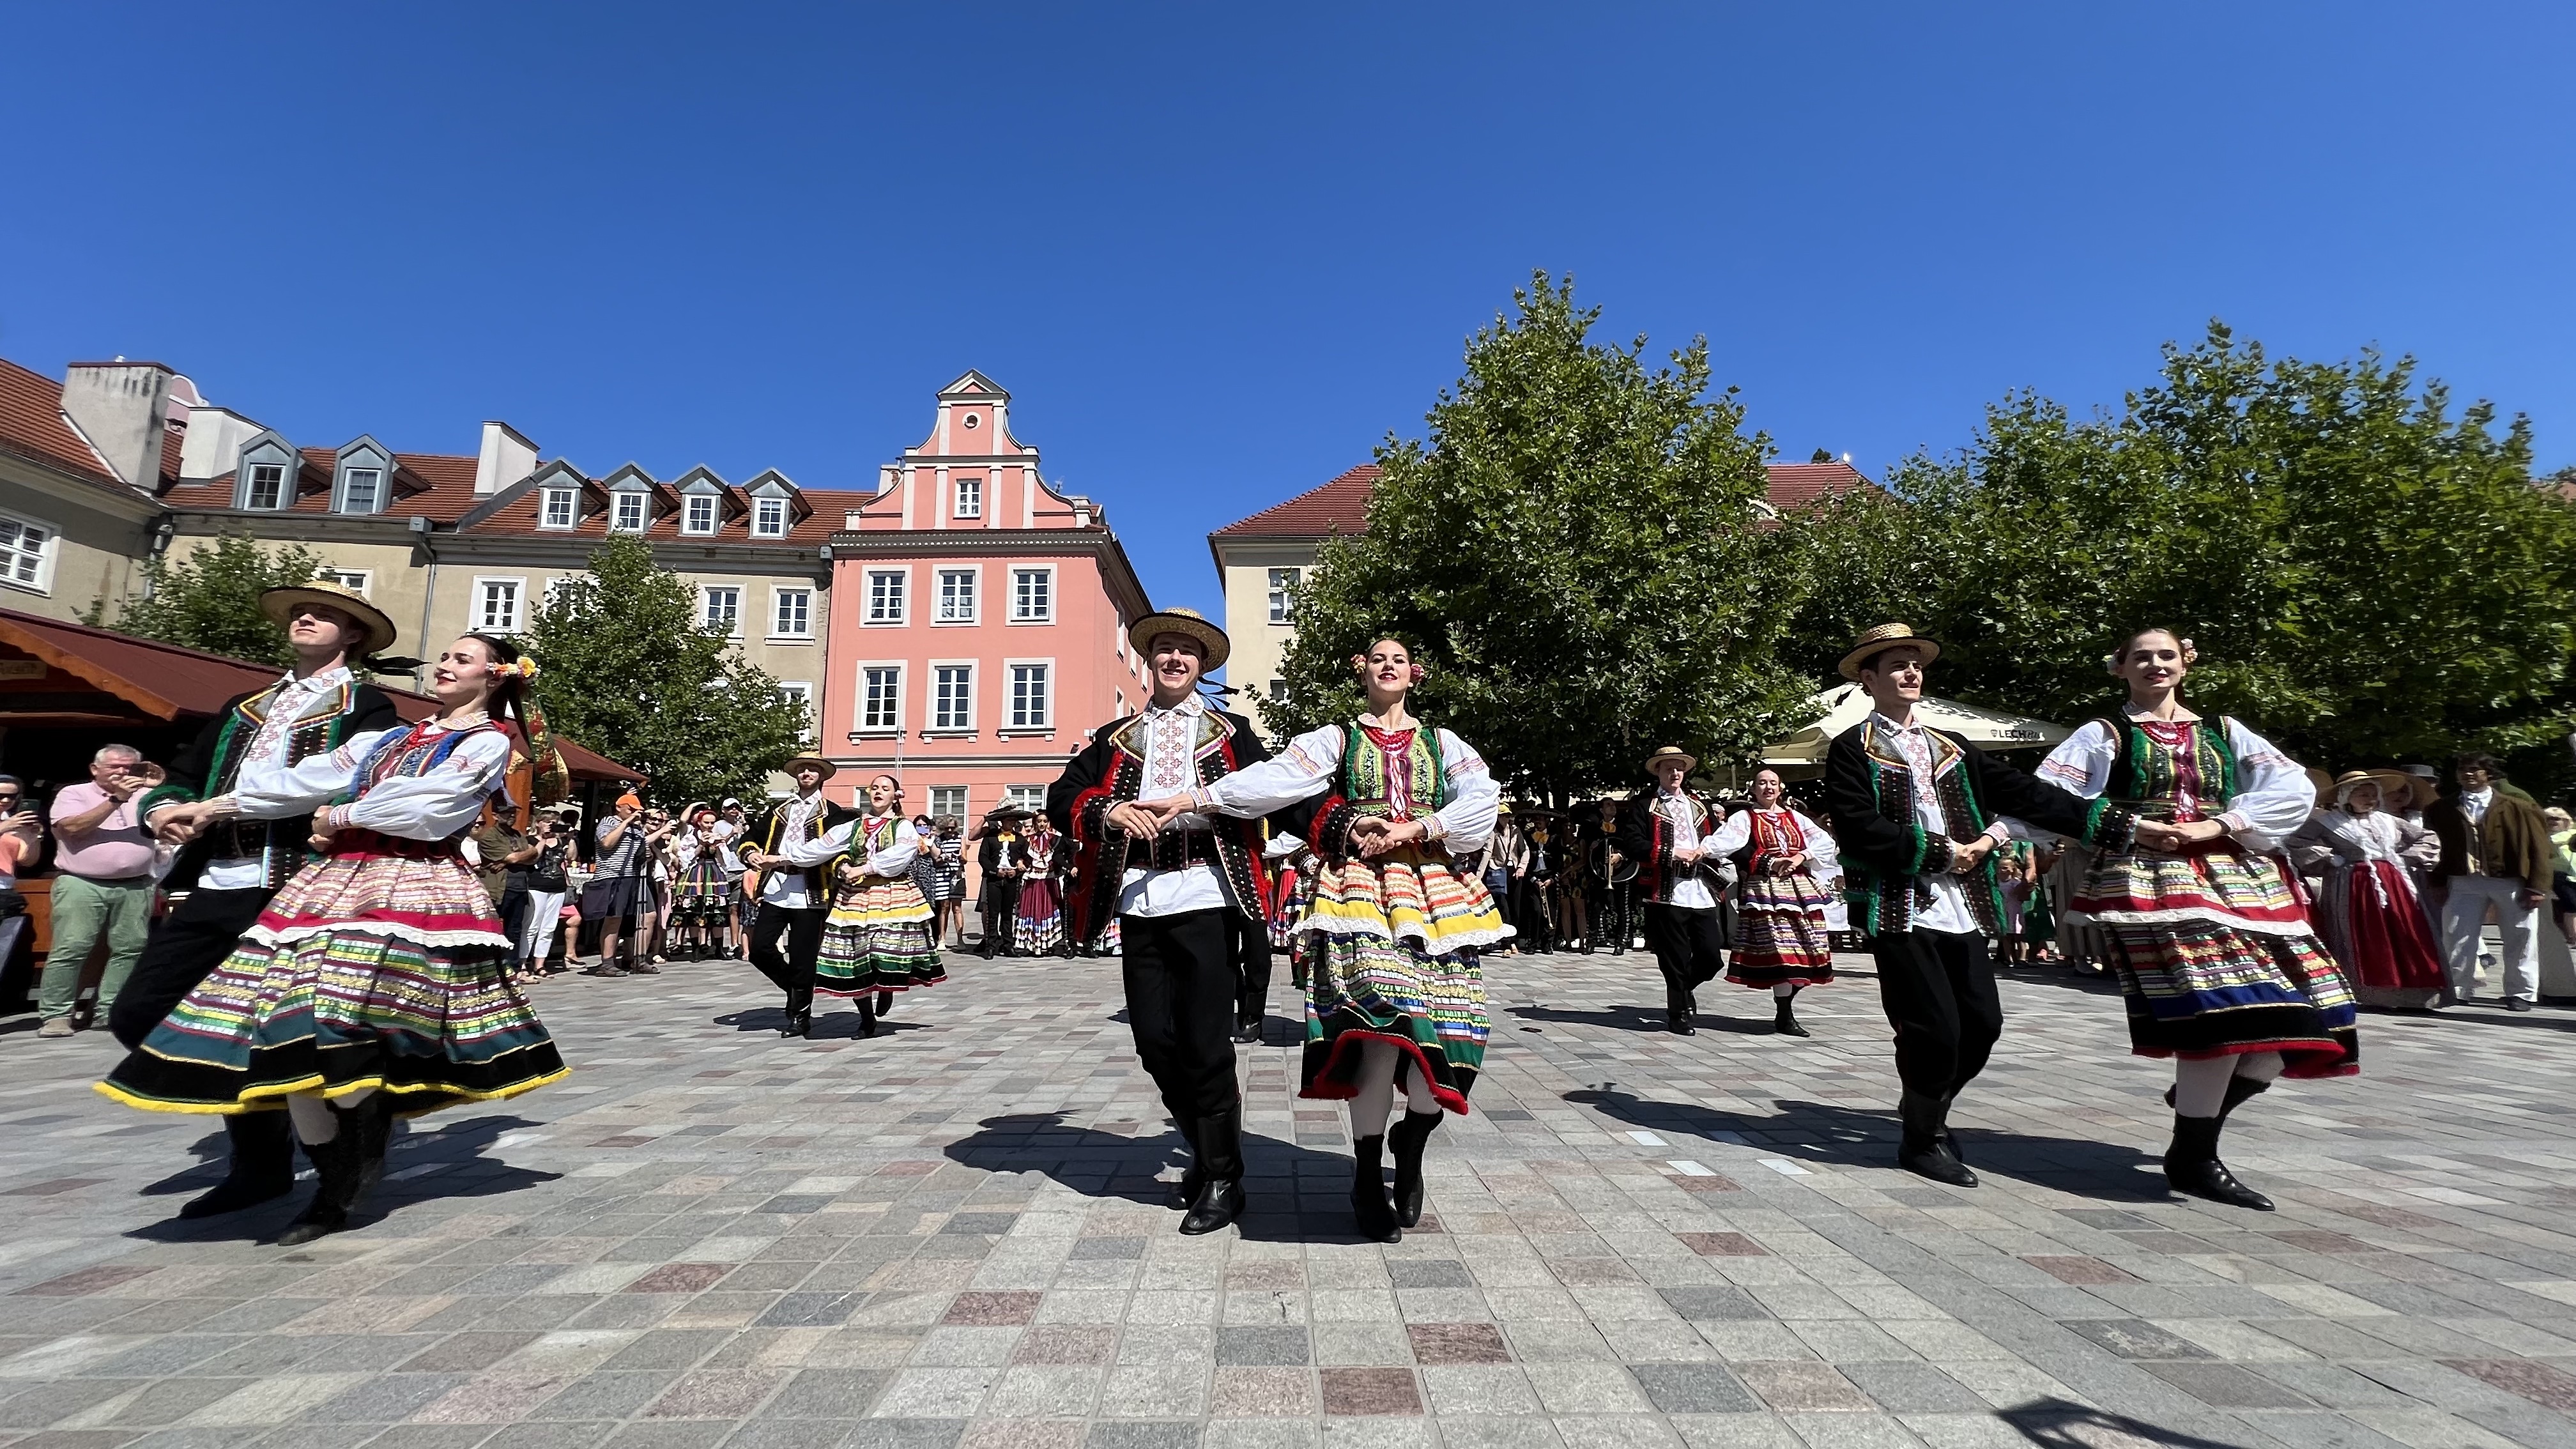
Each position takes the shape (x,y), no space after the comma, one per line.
(1780,939)
(2213,948)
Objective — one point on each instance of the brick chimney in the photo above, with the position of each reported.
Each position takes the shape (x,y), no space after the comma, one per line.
(122,408)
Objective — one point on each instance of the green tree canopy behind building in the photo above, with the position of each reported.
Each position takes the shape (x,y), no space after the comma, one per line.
(626,668)
(209,600)
(2370,576)
(1576,554)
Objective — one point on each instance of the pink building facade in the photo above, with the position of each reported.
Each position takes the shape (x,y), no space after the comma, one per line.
(978,620)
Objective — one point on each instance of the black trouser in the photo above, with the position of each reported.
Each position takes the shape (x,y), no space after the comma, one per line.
(1251,968)
(1614,912)
(1001,902)
(1180,976)
(1690,948)
(1531,915)
(1939,991)
(793,972)
(185,948)
(512,908)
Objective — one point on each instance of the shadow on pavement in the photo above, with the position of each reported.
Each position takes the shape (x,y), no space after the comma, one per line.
(440,1162)
(2059,1424)
(830,1024)
(1647,1018)
(1293,1194)
(1855,1137)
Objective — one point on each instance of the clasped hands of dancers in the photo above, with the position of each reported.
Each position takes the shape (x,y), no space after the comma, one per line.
(338,959)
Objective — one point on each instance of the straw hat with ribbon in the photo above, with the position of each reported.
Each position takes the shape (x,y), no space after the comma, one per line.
(817,761)
(1189,623)
(279,605)
(1689,761)
(1880,638)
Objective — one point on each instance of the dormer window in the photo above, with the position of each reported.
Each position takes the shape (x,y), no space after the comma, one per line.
(970,498)
(769,518)
(359,489)
(559,508)
(701,514)
(267,487)
(629,513)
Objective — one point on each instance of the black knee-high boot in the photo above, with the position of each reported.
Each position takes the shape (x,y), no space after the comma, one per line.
(1784,1020)
(263,1165)
(345,1168)
(2192,1165)
(1924,1147)
(1369,1205)
(1408,1138)
(1219,1199)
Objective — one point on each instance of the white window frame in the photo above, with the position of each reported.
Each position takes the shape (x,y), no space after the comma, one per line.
(965,505)
(1027,797)
(690,503)
(868,598)
(356,581)
(45,552)
(777,601)
(1006,705)
(932,723)
(859,700)
(376,489)
(478,610)
(1282,598)
(974,577)
(802,691)
(285,487)
(707,602)
(546,500)
(617,510)
(760,508)
(1043,616)
(958,795)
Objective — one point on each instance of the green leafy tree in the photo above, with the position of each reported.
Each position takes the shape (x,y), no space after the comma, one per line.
(1577,555)
(2370,577)
(627,669)
(210,599)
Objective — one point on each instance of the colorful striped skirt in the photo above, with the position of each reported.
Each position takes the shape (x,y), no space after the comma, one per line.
(1037,923)
(1391,957)
(2216,958)
(370,969)
(1780,933)
(877,938)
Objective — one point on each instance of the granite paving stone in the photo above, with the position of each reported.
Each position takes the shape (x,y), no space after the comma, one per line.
(711,1237)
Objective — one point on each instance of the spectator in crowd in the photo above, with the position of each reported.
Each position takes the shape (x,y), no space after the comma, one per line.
(2495,856)
(2562,868)
(547,880)
(105,862)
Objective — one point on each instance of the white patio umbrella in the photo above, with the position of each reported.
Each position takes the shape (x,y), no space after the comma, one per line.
(1846,705)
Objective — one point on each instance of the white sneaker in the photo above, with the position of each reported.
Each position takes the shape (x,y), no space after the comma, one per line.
(59,1026)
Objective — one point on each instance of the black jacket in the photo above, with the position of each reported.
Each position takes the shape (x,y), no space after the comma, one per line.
(762,834)
(1646,837)
(1110,771)
(211,762)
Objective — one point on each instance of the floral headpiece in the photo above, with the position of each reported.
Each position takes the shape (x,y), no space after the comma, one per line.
(523,667)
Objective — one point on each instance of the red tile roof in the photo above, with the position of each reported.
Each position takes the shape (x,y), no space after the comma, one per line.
(823,511)
(1341,506)
(439,486)
(32,426)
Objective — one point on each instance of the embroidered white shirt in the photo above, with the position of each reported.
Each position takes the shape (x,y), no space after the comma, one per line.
(1948,908)
(1679,812)
(1170,737)
(262,758)
(784,885)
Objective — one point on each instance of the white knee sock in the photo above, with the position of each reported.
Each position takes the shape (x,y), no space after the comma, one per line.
(1417,1092)
(314,1124)
(2200,1086)
(2260,1066)
(1785,990)
(1377,1090)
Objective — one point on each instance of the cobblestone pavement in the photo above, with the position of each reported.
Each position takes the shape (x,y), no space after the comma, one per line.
(950,1236)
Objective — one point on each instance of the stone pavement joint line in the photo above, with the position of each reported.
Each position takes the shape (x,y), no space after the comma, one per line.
(953,1235)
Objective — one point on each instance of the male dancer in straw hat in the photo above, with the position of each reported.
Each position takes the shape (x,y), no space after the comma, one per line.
(1681,885)
(231,868)
(1916,811)
(1178,891)
(791,896)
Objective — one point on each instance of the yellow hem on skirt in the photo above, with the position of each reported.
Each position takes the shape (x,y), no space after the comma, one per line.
(258,1098)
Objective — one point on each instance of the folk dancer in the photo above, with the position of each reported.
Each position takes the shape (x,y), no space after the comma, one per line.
(1783,860)
(377,981)
(876,940)
(698,885)
(2368,911)
(792,899)
(1610,876)
(999,861)
(1918,812)
(2495,853)
(1680,879)
(1396,982)
(2220,967)
(1038,918)
(1176,885)
(230,872)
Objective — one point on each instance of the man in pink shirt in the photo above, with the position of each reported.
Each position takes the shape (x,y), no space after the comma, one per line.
(105,859)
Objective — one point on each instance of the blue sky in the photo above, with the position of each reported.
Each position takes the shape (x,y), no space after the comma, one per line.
(1217,252)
